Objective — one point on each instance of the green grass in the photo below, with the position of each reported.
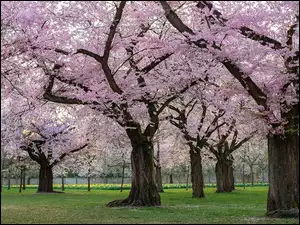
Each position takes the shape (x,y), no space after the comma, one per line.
(81,207)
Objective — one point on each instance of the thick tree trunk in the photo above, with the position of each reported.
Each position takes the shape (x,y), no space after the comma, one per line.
(283,154)
(171,178)
(45,179)
(28,180)
(196,173)
(224,175)
(143,190)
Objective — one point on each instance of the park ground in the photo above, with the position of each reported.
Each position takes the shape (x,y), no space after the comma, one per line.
(81,207)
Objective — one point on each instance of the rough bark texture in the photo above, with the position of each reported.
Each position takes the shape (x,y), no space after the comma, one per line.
(196,173)
(224,175)
(143,190)
(45,179)
(283,153)
(158,179)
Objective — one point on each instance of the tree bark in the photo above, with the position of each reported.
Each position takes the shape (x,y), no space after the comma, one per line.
(283,154)
(45,179)
(224,175)
(28,180)
(143,190)
(196,173)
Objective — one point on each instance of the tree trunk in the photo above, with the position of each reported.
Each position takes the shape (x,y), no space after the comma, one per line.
(28,180)
(21,178)
(158,179)
(24,179)
(283,154)
(62,183)
(89,183)
(252,175)
(143,190)
(45,179)
(224,175)
(8,180)
(122,182)
(196,173)
(171,178)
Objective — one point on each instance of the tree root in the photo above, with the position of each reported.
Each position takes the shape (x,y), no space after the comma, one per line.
(127,203)
(291,213)
(50,192)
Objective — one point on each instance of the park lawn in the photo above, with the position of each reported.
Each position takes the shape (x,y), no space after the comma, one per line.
(81,207)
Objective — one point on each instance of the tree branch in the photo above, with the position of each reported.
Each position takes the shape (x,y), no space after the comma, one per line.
(245,31)
(112,30)
(157,61)
(62,156)
(258,95)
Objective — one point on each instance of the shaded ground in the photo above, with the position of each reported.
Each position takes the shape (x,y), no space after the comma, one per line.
(80,207)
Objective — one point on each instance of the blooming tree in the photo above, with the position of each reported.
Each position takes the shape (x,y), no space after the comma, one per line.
(276,93)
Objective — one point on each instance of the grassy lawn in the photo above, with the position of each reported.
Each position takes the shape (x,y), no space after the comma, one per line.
(81,207)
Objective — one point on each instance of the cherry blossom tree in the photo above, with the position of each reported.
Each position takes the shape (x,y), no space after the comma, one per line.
(122,71)
(277,94)
(41,140)
(128,62)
